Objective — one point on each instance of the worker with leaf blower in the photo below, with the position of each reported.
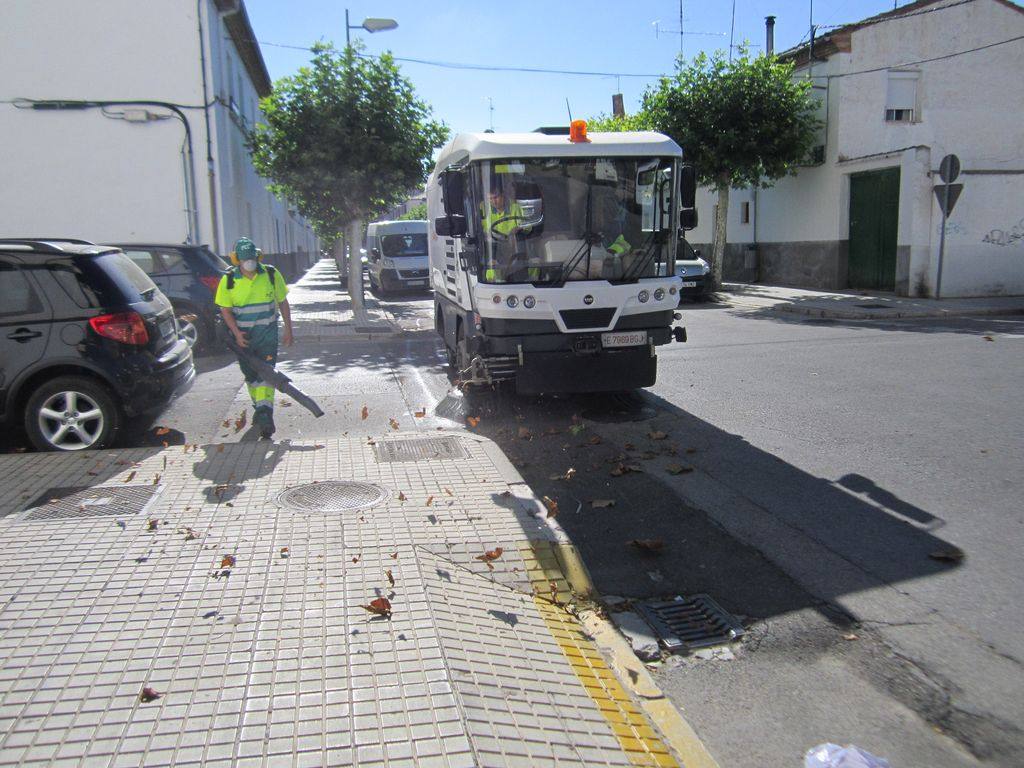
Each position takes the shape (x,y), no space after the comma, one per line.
(250,296)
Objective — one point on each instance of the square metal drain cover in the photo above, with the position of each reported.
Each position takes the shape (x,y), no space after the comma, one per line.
(420,448)
(691,622)
(98,501)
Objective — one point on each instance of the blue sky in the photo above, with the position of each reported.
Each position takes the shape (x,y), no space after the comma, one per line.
(600,35)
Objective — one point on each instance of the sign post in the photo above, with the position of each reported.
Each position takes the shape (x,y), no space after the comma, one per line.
(947,195)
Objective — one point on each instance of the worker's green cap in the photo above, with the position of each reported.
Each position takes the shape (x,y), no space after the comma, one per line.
(245,249)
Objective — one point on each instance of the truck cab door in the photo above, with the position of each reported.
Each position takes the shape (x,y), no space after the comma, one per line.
(25,322)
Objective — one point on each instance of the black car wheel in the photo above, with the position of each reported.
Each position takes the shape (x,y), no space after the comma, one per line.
(71,413)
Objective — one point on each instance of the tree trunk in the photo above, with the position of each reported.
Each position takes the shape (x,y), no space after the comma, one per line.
(355,265)
(721,233)
(339,256)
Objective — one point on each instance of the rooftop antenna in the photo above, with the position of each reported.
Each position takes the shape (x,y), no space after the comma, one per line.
(680,27)
(490,106)
(568,108)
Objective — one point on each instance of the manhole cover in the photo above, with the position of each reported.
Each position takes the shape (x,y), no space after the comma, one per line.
(417,449)
(332,496)
(692,622)
(99,501)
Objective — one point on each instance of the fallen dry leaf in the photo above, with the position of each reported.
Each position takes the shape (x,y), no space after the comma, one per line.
(448,491)
(156,480)
(420,413)
(473,421)
(567,475)
(551,504)
(489,555)
(226,423)
(524,434)
(394,424)
(152,523)
(148,695)
(595,440)
(391,579)
(366,413)
(678,469)
(850,636)
(553,586)
(575,429)
(240,422)
(131,476)
(655,434)
(162,431)
(629,446)
(950,555)
(380,607)
(228,561)
(285,552)
(430,500)
(988,338)
(394,555)
(602,503)
(624,469)
(355,559)
(401,496)
(648,545)
(220,448)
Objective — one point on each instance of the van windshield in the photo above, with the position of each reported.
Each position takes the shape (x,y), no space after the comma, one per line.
(410,244)
(551,220)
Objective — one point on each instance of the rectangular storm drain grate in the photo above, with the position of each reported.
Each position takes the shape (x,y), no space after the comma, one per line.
(417,449)
(98,501)
(692,622)
(874,306)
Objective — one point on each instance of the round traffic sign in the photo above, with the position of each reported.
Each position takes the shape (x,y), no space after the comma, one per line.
(949,168)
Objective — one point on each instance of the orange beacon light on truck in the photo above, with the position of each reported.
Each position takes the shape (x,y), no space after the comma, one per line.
(578,132)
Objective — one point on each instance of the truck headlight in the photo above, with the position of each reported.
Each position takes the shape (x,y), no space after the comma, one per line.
(659,294)
(529,302)
(387,263)
(643,296)
(512,302)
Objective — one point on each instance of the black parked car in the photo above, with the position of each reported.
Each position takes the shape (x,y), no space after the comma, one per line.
(86,339)
(187,275)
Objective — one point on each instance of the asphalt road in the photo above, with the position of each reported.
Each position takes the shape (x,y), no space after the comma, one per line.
(825,464)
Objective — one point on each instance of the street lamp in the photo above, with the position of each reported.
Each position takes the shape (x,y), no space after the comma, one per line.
(370,25)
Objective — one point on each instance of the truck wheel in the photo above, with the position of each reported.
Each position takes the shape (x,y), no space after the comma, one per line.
(71,413)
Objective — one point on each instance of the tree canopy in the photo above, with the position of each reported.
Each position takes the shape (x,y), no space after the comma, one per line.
(344,138)
(416,213)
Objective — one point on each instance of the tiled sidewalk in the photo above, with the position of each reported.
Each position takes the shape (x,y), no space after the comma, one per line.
(247,617)
(322,310)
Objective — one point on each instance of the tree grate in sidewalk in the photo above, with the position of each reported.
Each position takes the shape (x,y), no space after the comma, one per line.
(418,449)
(332,496)
(66,503)
(688,623)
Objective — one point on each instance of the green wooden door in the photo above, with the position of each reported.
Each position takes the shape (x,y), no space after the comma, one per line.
(874,217)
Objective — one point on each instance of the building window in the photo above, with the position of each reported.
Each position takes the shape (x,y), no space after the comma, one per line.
(901,97)
(744,213)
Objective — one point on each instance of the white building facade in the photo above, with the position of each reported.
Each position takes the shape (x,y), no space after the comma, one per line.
(125,121)
(898,92)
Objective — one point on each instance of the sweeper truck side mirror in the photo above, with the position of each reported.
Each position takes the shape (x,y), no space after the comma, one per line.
(453,223)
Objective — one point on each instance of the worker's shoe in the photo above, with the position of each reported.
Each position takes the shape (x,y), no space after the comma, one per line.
(264,419)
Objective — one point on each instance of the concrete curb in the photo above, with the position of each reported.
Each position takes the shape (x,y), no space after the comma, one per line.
(677,733)
(894,314)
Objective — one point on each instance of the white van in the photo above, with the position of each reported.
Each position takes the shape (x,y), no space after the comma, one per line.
(397,256)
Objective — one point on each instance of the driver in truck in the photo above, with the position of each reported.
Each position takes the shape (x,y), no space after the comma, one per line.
(504,217)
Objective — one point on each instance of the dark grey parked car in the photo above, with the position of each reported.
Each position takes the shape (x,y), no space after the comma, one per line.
(86,340)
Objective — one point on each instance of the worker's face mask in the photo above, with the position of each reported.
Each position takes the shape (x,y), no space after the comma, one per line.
(249,265)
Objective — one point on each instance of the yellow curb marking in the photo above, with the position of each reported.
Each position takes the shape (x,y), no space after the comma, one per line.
(638,739)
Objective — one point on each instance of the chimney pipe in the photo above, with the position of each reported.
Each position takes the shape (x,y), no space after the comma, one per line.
(769,33)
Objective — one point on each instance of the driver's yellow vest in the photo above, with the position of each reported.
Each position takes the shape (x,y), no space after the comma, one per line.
(504,222)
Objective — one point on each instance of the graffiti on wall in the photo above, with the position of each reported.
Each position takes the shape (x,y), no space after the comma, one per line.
(952,228)
(1004,237)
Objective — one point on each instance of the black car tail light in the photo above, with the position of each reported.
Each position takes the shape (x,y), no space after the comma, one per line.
(124,327)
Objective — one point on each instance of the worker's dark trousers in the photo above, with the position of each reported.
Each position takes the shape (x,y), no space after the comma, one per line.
(262,342)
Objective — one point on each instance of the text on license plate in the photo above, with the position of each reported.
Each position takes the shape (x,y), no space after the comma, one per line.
(689,284)
(630,339)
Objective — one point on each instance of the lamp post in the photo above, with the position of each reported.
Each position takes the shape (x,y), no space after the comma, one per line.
(370,25)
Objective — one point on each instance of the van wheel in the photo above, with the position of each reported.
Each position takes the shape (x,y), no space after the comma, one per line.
(71,413)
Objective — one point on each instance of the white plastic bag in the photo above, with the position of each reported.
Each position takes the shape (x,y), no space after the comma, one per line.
(834,756)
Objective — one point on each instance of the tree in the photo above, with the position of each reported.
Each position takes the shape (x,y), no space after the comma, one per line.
(344,139)
(639,121)
(415,213)
(741,123)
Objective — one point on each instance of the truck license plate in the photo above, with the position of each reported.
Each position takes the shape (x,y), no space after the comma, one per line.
(628,339)
(689,284)
(417,283)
